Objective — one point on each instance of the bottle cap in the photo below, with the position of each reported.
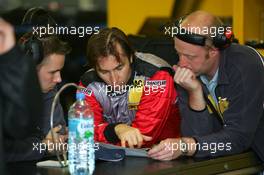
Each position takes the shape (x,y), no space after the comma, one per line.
(80,96)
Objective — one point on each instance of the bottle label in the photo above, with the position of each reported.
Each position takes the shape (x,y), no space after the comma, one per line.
(81,132)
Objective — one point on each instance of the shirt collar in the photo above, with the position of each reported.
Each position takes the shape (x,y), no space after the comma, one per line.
(213,80)
(221,72)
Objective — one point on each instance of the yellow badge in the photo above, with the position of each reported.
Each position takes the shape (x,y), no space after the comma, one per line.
(220,107)
(136,92)
(223,104)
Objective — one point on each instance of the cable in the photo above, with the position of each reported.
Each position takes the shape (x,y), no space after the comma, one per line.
(55,100)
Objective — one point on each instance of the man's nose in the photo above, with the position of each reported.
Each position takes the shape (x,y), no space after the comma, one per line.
(113,78)
(57,78)
(183,62)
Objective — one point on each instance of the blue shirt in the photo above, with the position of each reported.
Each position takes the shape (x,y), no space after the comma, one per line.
(211,85)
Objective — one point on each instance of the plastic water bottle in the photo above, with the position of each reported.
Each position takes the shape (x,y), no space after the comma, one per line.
(81,137)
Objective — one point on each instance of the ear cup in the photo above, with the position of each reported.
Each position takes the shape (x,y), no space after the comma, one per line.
(33,47)
(219,41)
(223,40)
(37,51)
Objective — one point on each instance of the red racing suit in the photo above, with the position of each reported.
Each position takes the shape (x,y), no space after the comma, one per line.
(156,115)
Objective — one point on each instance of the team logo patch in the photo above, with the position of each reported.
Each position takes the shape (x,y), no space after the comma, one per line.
(138,81)
(155,82)
(87,91)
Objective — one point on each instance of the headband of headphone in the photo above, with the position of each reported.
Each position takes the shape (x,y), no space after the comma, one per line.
(30,43)
(38,16)
(220,40)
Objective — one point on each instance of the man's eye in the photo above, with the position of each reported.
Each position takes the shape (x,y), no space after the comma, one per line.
(103,72)
(119,68)
(190,57)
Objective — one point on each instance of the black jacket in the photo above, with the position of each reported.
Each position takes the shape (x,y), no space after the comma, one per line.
(241,85)
(31,147)
(20,97)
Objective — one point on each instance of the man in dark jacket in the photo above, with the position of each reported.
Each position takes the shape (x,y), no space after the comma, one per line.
(17,114)
(48,54)
(48,67)
(221,87)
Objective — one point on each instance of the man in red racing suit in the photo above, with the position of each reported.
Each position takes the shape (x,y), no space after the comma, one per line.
(132,94)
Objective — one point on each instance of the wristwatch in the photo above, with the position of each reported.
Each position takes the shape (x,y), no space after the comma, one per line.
(183,147)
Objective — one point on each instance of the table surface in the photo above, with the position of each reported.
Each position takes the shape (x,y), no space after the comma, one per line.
(136,165)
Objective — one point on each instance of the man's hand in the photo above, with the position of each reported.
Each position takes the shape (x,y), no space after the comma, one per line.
(166,150)
(59,139)
(170,149)
(7,37)
(187,79)
(130,135)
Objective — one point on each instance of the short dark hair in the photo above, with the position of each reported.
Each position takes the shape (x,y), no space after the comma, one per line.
(47,45)
(104,44)
(53,45)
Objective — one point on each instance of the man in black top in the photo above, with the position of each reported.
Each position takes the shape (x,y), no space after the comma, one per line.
(17,117)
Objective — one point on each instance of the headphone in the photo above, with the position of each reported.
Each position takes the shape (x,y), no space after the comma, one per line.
(220,41)
(31,43)
(32,46)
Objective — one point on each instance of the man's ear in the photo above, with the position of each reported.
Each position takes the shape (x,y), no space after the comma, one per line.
(213,52)
(131,59)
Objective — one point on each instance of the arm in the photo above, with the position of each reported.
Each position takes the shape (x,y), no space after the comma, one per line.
(187,80)
(193,122)
(243,115)
(157,114)
(24,150)
(195,116)
(34,147)
(58,116)
(112,133)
